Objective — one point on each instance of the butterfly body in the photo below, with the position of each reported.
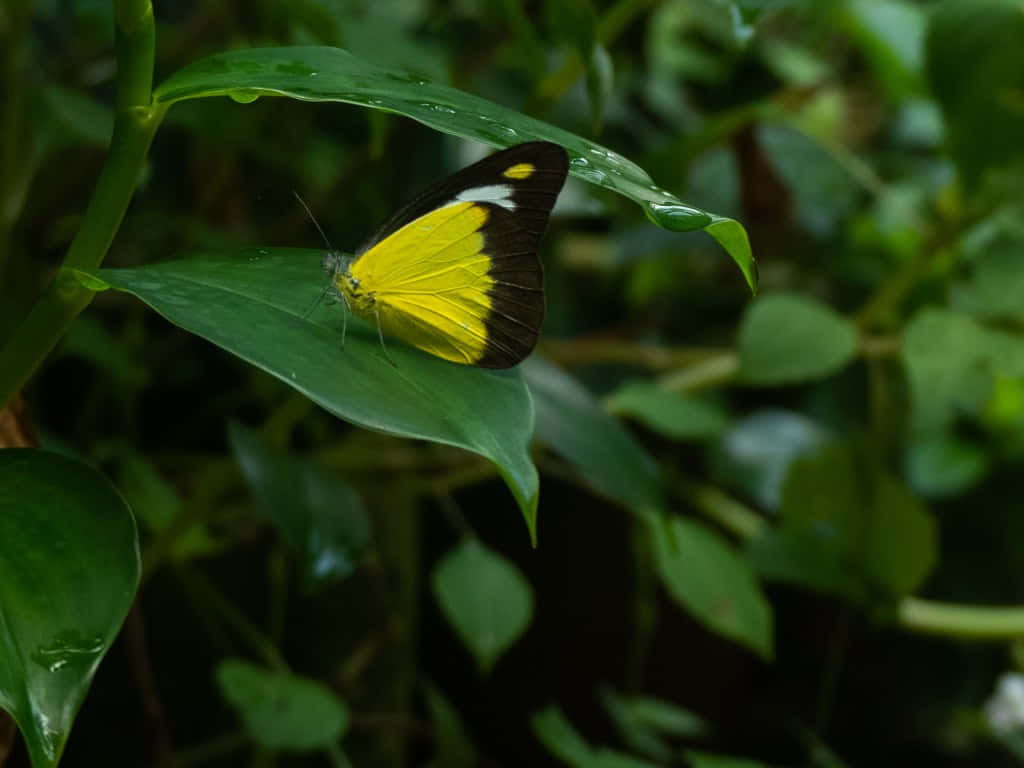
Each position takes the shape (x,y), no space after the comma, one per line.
(455,273)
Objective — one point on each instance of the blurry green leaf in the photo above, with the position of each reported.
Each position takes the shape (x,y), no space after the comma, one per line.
(669,413)
(600,74)
(89,340)
(976,66)
(485,598)
(870,522)
(579,430)
(643,722)
(951,361)
(453,749)
(706,760)
(823,190)
(786,339)
(610,758)
(712,582)
(575,22)
(891,33)
(557,734)
(755,454)
(75,117)
(69,568)
(320,516)
(331,74)
(255,304)
(156,504)
(280,710)
(799,559)
(995,288)
(944,465)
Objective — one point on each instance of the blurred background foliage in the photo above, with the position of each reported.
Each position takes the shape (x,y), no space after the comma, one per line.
(739,496)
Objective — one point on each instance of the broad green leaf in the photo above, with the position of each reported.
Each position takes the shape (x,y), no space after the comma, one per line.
(256,304)
(976,66)
(485,598)
(320,516)
(669,413)
(798,558)
(787,339)
(952,362)
(557,734)
(575,426)
(711,581)
(754,455)
(995,288)
(280,710)
(452,747)
(69,568)
(942,465)
(644,722)
(331,74)
(873,525)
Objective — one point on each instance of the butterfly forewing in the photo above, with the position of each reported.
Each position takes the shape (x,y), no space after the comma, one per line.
(456,272)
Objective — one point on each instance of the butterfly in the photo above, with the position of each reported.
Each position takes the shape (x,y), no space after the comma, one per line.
(455,272)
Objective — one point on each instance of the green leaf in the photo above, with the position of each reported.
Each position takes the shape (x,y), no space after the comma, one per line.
(69,568)
(854,510)
(575,426)
(996,285)
(755,454)
(255,304)
(331,74)
(453,749)
(485,598)
(643,722)
(557,734)
(711,581)
(952,362)
(943,465)
(976,66)
(891,35)
(786,339)
(798,558)
(320,516)
(669,413)
(280,710)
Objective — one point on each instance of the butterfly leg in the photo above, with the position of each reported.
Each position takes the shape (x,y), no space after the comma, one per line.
(344,320)
(380,335)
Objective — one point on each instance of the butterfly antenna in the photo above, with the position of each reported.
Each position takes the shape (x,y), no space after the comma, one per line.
(313,219)
(380,335)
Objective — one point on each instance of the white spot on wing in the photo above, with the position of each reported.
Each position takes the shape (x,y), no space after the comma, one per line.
(499,194)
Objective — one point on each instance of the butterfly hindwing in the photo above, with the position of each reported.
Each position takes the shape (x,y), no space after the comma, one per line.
(456,271)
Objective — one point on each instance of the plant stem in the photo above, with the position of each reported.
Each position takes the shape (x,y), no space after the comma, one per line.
(135,123)
(969,622)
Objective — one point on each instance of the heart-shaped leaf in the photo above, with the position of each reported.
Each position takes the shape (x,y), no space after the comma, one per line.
(69,568)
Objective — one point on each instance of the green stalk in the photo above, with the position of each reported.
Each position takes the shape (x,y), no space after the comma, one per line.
(969,622)
(135,123)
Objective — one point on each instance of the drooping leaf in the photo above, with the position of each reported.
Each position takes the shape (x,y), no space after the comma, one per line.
(786,339)
(255,304)
(331,74)
(320,516)
(69,568)
(485,598)
(575,426)
(280,710)
(708,760)
(712,582)
(645,723)
(557,734)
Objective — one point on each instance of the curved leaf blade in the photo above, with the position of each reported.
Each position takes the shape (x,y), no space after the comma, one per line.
(255,304)
(320,73)
(69,566)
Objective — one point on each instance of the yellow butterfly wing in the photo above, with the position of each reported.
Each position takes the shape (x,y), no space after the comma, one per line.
(462,282)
